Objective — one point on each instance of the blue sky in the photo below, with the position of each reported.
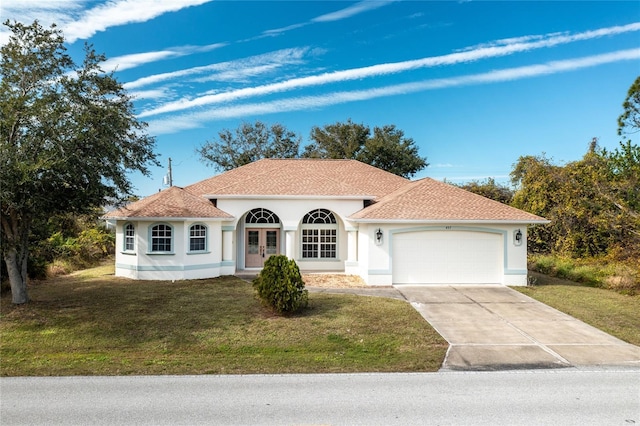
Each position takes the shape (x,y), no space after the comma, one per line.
(475,84)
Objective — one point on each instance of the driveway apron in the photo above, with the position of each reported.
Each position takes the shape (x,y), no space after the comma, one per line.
(498,328)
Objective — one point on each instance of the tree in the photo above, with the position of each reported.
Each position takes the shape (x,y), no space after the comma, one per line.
(339,140)
(490,189)
(68,137)
(387,149)
(536,180)
(593,203)
(248,143)
(629,120)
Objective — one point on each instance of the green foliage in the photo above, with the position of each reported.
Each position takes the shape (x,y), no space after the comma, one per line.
(68,242)
(387,149)
(339,140)
(622,276)
(279,285)
(593,203)
(69,138)
(91,245)
(629,120)
(490,189)
(248,143)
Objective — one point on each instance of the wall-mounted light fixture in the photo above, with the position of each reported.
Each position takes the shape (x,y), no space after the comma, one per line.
(517,237)
(378,236)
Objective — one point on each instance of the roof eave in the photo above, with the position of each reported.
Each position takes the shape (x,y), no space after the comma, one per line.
(288,197)
(454,221)
(166,218)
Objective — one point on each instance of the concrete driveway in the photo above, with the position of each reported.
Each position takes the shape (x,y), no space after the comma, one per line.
(497,328)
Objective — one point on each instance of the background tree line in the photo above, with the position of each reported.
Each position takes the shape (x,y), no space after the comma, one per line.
(593,203)
(386,147)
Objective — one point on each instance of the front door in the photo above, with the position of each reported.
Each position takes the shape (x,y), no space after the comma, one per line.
(260,245)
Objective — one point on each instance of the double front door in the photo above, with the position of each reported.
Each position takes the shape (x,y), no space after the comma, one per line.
(260,245)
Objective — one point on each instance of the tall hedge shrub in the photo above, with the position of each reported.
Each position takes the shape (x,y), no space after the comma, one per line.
(279,285)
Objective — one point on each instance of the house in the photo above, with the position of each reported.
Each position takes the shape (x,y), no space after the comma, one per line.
(327,215)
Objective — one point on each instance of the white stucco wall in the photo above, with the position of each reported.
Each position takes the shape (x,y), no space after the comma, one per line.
(225,243)
(375,261)
(179,263)
(291,212)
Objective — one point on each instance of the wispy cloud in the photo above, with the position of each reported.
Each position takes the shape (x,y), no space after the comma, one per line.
(363,6)
(80,23)
(230,70)
(278,31)
(385,69)
(150,94)
(190,121)
(122,12)
(137,59)
(348,12)
(45,11)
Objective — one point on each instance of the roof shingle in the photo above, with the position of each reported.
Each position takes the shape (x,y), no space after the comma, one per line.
(396,198)
(302,177)
(172,202)
(428,199)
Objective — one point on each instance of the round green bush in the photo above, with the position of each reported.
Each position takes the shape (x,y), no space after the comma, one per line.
(279,285)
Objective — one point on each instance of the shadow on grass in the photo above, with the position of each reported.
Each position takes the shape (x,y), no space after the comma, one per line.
(542,279)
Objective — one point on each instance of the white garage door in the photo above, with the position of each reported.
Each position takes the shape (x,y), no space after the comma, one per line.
(447,257)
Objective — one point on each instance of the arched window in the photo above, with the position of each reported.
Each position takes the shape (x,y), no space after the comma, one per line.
(129,237)
(319,216)
(198,238)
(319,235)
(162,238)
(261,215)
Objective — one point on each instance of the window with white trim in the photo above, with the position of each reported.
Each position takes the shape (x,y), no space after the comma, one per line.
(198,238)
(261,215)
(319,235)
(162,238)
(129,237)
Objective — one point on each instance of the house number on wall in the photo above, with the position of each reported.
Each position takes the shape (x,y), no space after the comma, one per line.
(448,228)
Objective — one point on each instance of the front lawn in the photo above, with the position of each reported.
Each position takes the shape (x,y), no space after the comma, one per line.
(612,312)
(91,323)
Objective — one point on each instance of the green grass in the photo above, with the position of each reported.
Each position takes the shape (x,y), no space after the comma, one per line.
(622,276)
(610,311)
(92,323)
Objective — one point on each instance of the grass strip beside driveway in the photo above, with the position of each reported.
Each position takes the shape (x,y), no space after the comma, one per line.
(90,323)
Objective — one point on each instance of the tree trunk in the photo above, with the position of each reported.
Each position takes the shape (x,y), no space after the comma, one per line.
(16,254)
(17,276)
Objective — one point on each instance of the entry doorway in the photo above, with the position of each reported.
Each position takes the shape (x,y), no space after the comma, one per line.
(261,243)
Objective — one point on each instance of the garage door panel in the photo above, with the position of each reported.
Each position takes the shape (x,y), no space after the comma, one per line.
(447,257)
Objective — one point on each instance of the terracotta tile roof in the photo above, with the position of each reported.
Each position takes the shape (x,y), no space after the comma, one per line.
(172,202)
(291,177)
(429,199)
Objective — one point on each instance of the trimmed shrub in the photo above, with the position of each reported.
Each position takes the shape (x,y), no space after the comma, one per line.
(279,285)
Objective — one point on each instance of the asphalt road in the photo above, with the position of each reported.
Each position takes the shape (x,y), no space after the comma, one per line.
(540,397)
